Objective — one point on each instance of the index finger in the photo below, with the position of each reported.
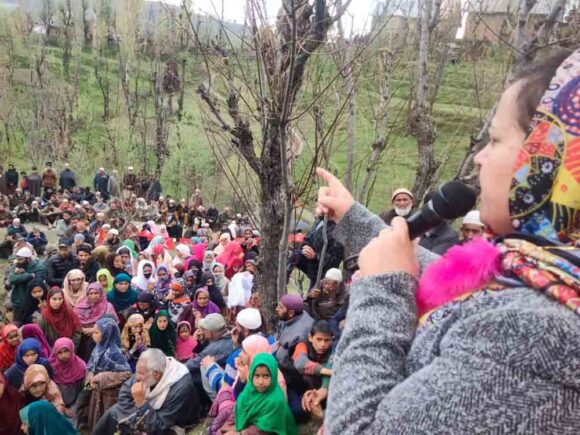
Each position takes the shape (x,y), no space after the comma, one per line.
(330,179)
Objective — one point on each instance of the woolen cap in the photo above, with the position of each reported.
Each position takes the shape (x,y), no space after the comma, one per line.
(399,191)
(212,322)
(333,274)
(293,302)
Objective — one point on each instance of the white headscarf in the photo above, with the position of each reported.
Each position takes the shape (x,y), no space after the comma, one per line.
(140,281)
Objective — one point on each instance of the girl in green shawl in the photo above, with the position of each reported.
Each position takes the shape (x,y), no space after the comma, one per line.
(262,403)
(162,333)
(105,278)
(42,418)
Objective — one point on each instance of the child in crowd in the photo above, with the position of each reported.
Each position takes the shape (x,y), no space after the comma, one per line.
(134,339)
(8,346)
(28,353)
(163,334)
(185,342)
(262,405)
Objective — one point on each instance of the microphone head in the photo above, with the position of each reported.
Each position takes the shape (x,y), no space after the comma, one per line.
(453,200)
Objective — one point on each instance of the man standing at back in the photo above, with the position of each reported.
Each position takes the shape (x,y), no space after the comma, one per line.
(34,183)
(68,178)
(24,270)
(48,179)
(101,183)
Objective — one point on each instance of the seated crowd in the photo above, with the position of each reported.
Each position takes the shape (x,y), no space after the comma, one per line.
(158,327)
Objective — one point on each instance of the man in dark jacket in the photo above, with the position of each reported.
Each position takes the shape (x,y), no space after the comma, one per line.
(307,258)
(101,183)
(87,264)
(24,270)
(11,178)
(38,240)
(34,182)
(68,178)
(159,397)
(441,238)
(61,263)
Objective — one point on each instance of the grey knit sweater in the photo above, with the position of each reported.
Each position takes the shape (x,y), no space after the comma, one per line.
(505,363)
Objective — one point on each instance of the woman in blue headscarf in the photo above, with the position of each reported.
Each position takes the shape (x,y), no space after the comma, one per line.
(122,296)
(27,353)
(107,370)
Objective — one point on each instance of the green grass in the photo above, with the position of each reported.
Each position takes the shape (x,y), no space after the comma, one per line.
(468,89)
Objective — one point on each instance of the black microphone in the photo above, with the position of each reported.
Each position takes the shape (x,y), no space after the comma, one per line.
(451,201)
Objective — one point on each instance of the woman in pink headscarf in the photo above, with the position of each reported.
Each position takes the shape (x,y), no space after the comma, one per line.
(69,370)
(32,330)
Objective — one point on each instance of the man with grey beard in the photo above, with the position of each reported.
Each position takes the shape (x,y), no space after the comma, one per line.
(403,202)
(159,399)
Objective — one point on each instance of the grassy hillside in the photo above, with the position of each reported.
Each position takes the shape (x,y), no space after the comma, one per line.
(467,90)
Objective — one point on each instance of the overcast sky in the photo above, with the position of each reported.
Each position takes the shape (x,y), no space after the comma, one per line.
(359,10)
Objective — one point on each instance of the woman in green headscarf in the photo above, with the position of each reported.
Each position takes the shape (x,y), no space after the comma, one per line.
(262,403)
(105,278)
(162,333)
(42,418)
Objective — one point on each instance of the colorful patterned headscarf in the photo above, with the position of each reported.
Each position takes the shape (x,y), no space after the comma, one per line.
(545,190)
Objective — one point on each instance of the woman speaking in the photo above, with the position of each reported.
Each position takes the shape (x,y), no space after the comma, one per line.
(487,338)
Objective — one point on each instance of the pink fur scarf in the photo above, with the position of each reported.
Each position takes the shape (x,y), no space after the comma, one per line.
(463,269)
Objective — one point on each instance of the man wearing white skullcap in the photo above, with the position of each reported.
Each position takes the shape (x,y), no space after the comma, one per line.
(24,270)
(323,303)
(471,226)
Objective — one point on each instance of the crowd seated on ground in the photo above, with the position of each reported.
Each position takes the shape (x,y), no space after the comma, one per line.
(158,327)
(147,330)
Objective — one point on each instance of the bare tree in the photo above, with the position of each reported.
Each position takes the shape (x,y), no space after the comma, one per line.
(301,28)
(525,44)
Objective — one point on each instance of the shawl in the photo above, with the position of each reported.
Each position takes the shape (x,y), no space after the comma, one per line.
(220,280)
(215,294)
(31,304)
(232,251)
(544,206)
(64,321)
(32,330)
(122,300)
(7,352)
(145,298)
(140,281)
(43,418)
(88,312)
(206,266)
(240,289)
(127,337)
(72,298)
(110,278)
(174,371)
(268,411)
(163,284)
(67,373)
(210,308)
(184,348)
(163,340)
(27,345)
(132,247)
(9,406)
(545,188)
(38,373)
(189,290)
(107,355)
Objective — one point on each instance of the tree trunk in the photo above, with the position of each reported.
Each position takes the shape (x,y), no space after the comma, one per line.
(420,118)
